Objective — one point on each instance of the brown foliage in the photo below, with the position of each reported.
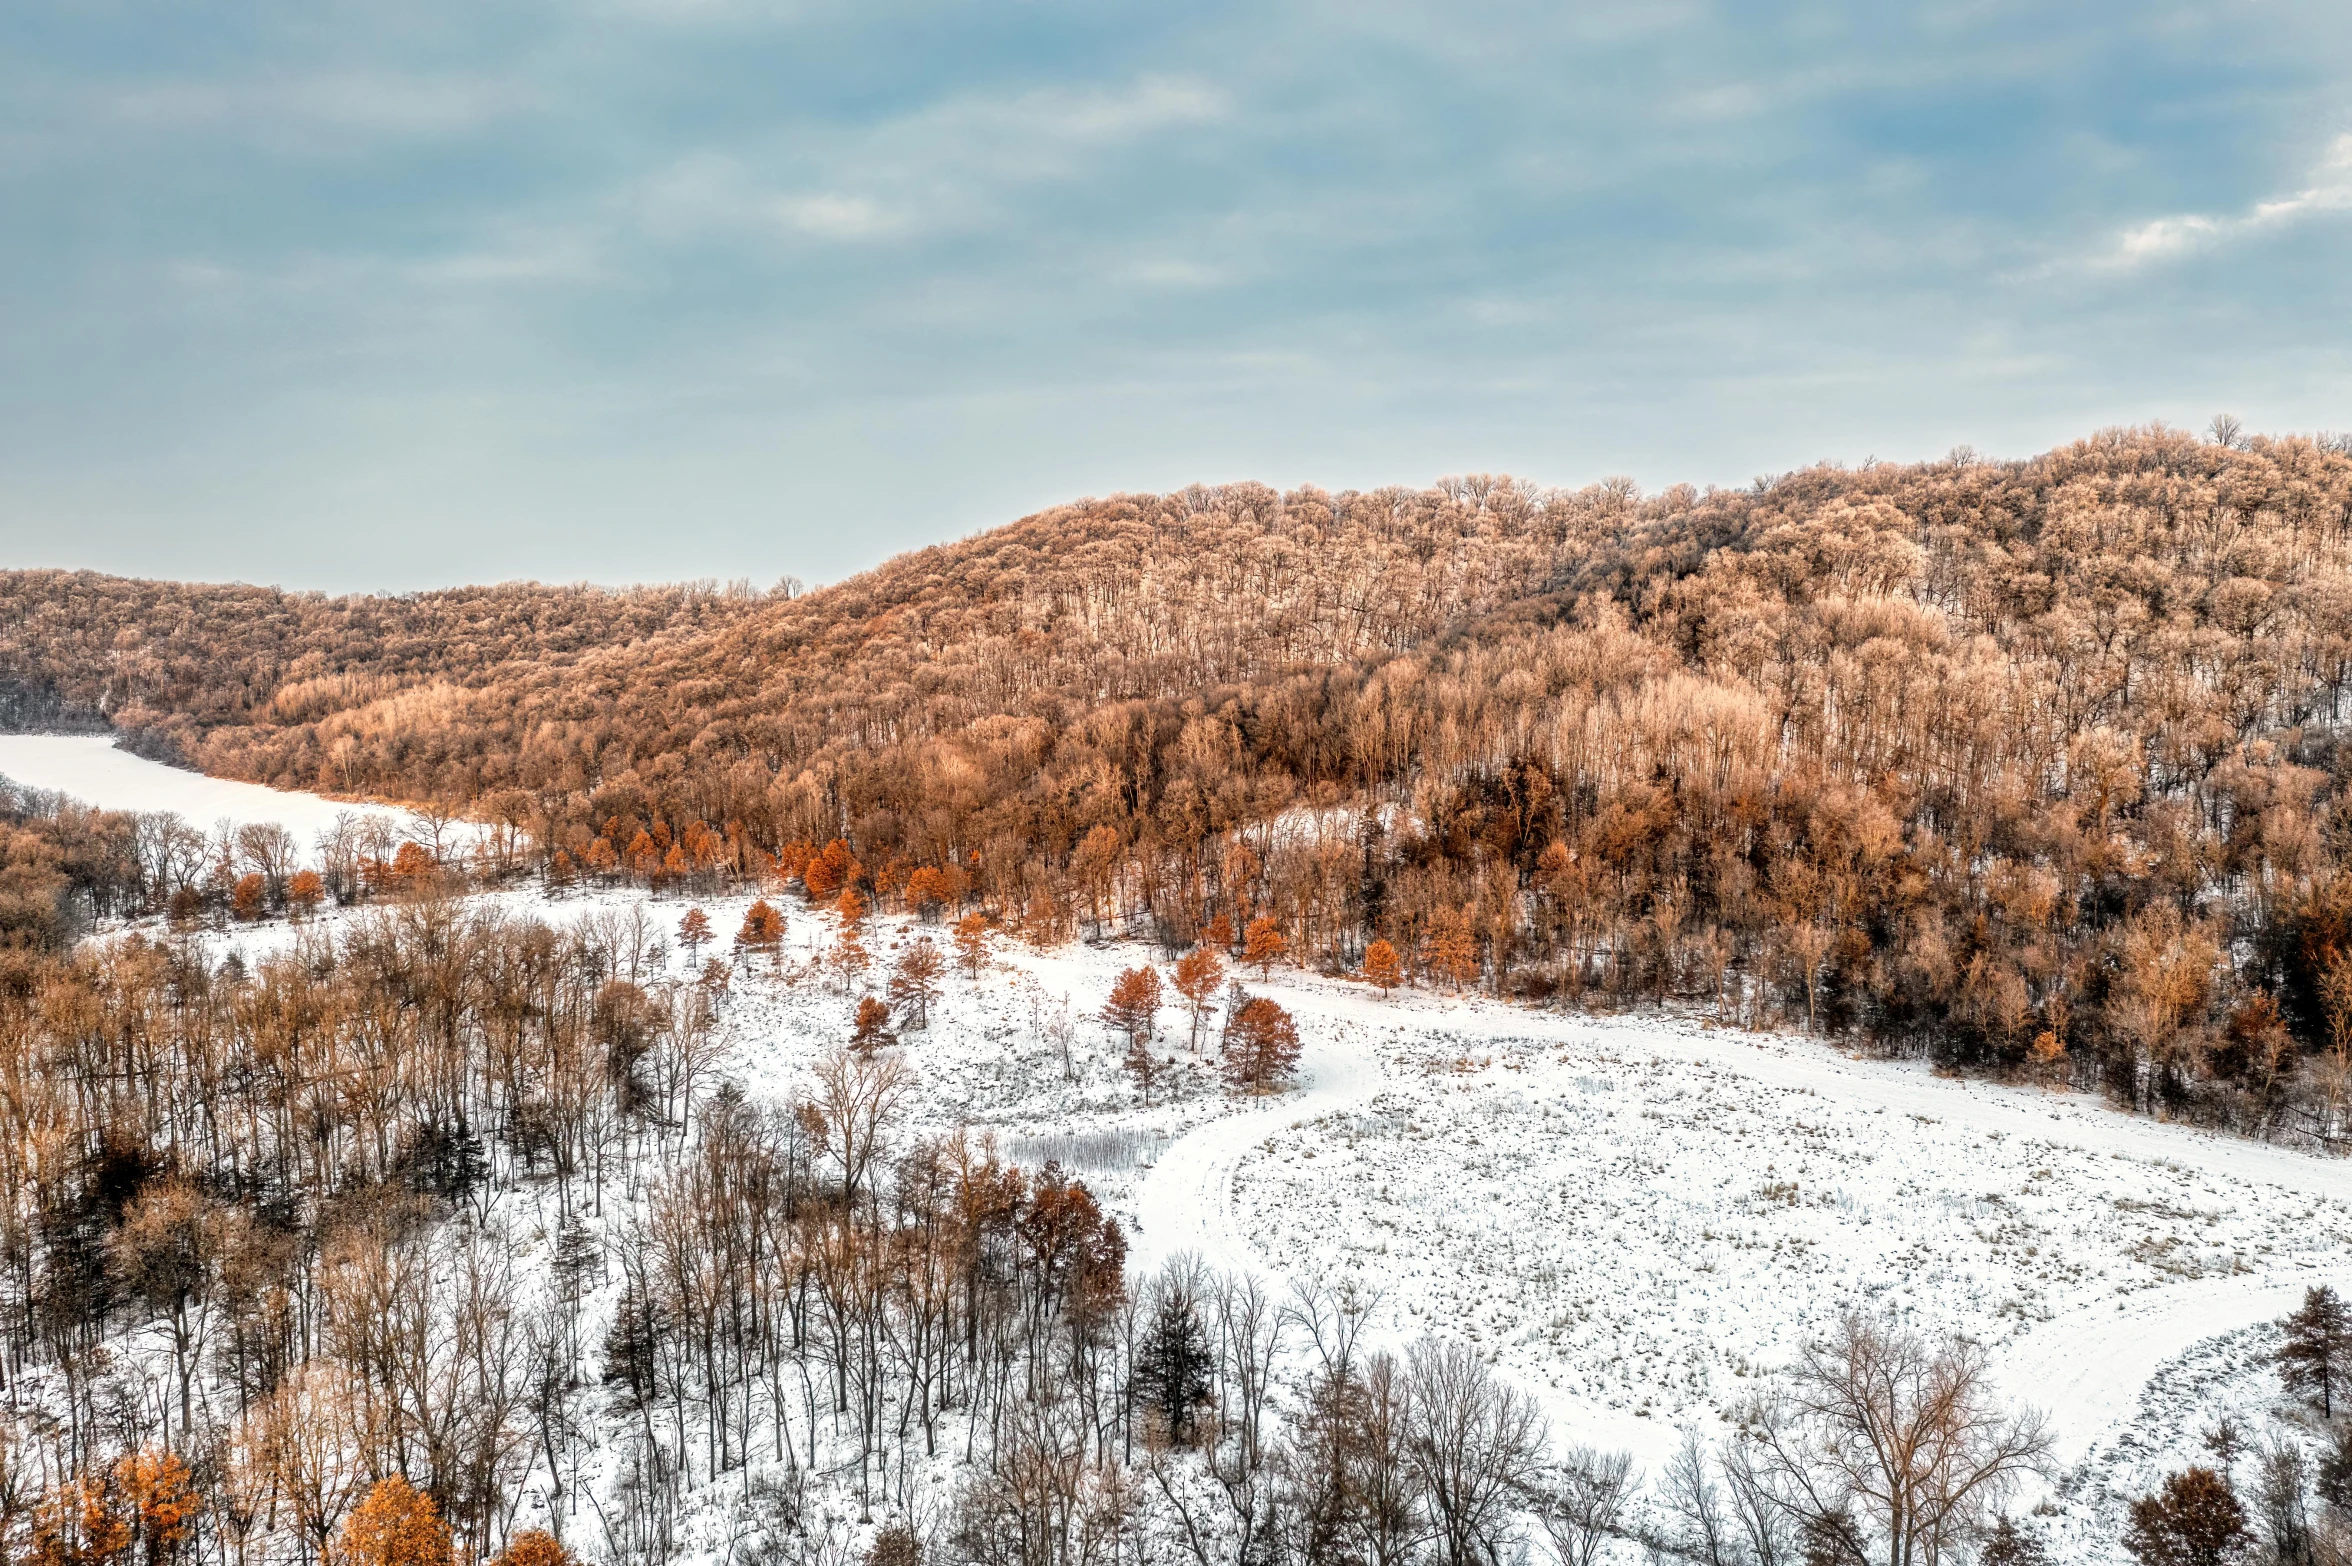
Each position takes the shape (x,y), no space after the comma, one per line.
(971,943)
(1263,945)
(395,1525)
(534,1547)
(762,930)
(873,1023)
(1200,974)
(139,1511)
(1956,754)
(1261,1046)
(2195,1520)
(1134,1004)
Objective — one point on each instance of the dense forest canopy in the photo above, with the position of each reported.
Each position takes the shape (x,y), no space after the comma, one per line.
(2035,762)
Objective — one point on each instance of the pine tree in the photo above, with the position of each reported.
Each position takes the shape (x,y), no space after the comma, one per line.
(2318,1347)
(1383,967)
(2010,1545)
(1172,1366)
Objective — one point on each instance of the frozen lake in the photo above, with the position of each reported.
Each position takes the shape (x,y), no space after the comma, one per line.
(87,767)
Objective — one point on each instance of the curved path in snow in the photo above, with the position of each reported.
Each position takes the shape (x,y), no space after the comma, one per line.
(2087,1368)
(1185,1202)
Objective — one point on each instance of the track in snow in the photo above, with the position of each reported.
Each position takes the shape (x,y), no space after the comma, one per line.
(2087,1368)
(1185,1203)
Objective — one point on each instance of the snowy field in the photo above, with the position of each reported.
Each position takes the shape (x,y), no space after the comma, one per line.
(1639,1219)
(87,767)
(1636,1219)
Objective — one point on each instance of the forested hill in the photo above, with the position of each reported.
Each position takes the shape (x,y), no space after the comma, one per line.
(2036,761)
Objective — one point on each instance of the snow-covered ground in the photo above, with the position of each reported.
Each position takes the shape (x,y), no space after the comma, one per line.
(1637,1219)
(1640,1218)
(87,767)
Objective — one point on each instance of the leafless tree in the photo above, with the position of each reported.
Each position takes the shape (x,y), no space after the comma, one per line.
(1898,1439)
(1582,1503)
(1474,1445)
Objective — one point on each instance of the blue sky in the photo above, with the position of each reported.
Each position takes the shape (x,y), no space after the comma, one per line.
(377,296)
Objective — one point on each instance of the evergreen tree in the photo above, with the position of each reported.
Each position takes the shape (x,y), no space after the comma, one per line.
(1172,1366)
(2318,1347)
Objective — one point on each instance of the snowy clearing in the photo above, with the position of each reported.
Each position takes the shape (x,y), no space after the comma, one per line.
(88,768)
(1639,1219)
(1636,1219)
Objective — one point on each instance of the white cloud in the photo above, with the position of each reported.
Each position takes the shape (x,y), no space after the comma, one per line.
(2330,190)
(835,217)
(368,103)
(945,166)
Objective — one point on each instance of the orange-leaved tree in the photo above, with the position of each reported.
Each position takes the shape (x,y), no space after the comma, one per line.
(1263,944)
(534,1547)
(140,1511)
(763,930)
(305,892)
(694,932)
(1134,1005)
(971,943)
(1452,947)
(396,1525)
(1383,967)
(873,1024)
(1261,1047)
(1200,973)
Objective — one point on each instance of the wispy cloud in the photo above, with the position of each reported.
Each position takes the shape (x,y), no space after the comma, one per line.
(955,165)
(2330,190)
(364,102)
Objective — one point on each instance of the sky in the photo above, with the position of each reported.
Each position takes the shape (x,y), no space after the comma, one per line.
(383,297)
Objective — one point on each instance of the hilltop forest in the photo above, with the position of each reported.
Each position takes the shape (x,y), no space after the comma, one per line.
(2037,766)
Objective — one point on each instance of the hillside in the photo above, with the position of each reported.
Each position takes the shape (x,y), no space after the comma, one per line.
(2033,762)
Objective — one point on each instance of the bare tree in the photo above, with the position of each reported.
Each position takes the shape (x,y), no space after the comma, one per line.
(1582,1505)
(1881,1434)
(1474,1444)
